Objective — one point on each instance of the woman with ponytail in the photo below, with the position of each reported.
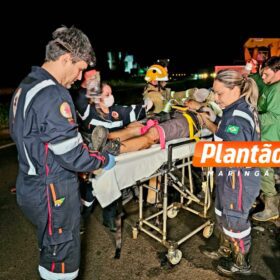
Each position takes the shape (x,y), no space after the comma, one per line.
(235,192)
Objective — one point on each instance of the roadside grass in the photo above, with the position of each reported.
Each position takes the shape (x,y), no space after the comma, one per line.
(4,116)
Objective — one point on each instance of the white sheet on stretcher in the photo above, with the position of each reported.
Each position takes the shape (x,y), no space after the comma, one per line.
(134,166)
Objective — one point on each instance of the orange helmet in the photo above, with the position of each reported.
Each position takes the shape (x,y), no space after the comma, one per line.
(156,73)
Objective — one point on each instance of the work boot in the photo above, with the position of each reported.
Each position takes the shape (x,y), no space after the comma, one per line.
(238,266)
(112,147)
(99,137)
(270,212)
(224,250)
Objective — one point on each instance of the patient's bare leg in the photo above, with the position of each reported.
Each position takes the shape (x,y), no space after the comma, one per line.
(141,142)
(125,133)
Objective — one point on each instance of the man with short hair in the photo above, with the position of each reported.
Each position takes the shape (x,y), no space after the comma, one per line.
(51,152)
(269,114)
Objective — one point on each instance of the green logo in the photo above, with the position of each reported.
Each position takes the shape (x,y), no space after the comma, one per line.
(233,129)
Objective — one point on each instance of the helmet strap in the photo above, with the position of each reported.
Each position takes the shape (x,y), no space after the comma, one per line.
(160,86)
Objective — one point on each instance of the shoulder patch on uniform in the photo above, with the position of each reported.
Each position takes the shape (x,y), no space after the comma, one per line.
(233,129)
(115,115)
(65,110)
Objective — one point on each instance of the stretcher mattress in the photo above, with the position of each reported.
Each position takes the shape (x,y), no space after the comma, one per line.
(134,166)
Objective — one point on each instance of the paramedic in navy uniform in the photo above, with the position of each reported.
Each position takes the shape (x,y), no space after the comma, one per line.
(51,151)
(101,111)
(235,194)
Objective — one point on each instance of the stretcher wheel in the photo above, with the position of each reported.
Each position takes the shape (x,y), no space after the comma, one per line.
(174,256)
(134,233)
(172,213)
(208,230)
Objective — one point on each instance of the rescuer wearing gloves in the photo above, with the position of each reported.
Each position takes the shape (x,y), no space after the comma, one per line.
(51,152)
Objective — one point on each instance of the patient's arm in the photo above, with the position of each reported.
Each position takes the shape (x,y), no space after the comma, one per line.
(193,105)
(207,123)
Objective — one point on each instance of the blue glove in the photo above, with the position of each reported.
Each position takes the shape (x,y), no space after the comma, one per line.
(111,162)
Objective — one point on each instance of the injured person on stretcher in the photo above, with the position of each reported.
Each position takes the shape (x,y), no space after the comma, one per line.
(186,122)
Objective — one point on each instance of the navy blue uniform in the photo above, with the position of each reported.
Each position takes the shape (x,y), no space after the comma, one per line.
(117,118)
(50,152)
(237,188)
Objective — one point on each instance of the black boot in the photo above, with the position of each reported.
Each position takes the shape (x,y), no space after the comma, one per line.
(239,266)
(224,250)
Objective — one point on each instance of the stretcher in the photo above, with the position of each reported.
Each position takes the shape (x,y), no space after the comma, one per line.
(131,168)
(137,168)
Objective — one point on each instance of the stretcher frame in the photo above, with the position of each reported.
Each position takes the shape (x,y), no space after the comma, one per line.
(187,199)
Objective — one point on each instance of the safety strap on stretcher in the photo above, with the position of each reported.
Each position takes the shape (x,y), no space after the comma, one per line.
(190,121)
(161,137)
(154,123)
(191,126)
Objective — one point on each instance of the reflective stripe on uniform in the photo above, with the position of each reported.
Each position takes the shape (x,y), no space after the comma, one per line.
(218,212)
(86,203)
(217,138)
(245,116)
(66,145)
(31,170)
(46,274)
(33,91)
(108,125)
(29,96)
(238,235)
(86,113)
(132,114)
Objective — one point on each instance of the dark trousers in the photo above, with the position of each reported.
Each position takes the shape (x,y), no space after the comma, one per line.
(55,210)
(235,195)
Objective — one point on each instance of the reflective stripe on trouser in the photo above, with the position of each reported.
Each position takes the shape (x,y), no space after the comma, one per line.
(87,197)
(60,251)
(234,197)
(268,182)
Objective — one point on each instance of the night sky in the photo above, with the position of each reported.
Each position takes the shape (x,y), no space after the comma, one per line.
(192,38)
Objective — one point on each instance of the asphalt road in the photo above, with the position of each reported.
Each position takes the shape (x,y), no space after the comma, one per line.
(142,258)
